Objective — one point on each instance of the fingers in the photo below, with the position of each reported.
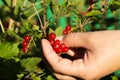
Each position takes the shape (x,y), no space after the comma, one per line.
(77,40)
(49,53)
(61,65)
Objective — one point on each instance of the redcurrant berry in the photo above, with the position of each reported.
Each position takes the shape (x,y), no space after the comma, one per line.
(27,38)
(57,41)
(24,49)
(55,46)
(62,46)
(65,49)
(68,27)
(51,42)
(24,44)
(52,36)
(65,32)
(59,50)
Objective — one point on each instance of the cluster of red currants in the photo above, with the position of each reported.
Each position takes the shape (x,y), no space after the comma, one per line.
(67,29)
(25,43)
(58,46)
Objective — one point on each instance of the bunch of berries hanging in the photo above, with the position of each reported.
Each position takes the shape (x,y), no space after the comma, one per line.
(67,29)
(25,43)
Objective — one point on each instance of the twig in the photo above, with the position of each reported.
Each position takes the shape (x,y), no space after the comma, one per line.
(84,23)
(44,12)
(3,30)
(42,26)
(25,2)
(14,3)
(35,14)
(11,20)
(44,17)
(10,24)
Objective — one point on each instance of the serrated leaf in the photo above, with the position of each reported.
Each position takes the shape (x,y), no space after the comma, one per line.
(8,50)
(58,31)
(30,64)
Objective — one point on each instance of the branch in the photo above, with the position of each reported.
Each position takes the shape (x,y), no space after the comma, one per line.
(2,26)
(38,17)
(14,2)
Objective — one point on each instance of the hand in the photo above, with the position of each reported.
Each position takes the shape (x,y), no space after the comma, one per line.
(101,56)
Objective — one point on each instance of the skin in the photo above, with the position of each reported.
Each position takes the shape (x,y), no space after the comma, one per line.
(100,57)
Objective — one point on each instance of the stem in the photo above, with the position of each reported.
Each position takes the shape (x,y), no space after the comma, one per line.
(44,16)
(24,4)
(35,14)
(84,23)
(3,30)
(10,24)
(42,26)
(14,2)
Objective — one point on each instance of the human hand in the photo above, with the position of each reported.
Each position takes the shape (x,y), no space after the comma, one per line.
(101,56)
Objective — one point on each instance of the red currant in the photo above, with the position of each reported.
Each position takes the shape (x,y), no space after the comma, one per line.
(24,49)
(57,41)
(68,28)
(62,45)
(27,38)
(59,50)
(55,46)
(65,32)
(24,44)
(65,49)
(52,36)
(51,42)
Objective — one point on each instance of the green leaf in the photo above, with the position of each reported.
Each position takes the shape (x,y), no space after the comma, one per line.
(117,73)
(35,28)
(7,2)
(115,5)
(51,30)
(13,34)
(35,77)
(114,78)
(50,78)
(20,76)
(30,64)
(39,36)
(26,27)
(58,31)
(8,50)
(93,13)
